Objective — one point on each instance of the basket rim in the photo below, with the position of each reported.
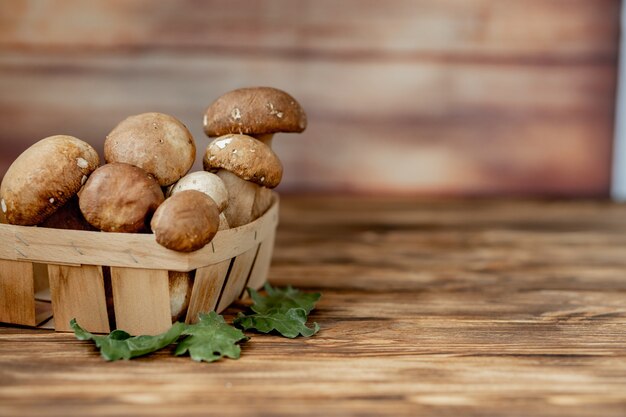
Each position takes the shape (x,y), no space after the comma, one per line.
(130,250)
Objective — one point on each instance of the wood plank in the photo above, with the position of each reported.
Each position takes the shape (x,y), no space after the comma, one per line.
(17,293)
(490,308)
(313,28)
(43,312)
(470,128)
(78,293)
(260,270)
(237,279)
(128,249)
(207,286)
(472,98)
(141,300)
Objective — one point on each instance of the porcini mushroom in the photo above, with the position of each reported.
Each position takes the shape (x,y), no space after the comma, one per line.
(68,217)
(44,177)
(207,183)
(257,111)
(120,197)
(181,283)
(186,221)
(158,143)
(249,169)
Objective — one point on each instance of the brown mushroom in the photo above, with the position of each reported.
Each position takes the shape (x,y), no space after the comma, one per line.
(208,183)
(181,283)
(186,221)
(68,217)
(249,169)
(120,197)
(255,111)
(44,177)
(158,143)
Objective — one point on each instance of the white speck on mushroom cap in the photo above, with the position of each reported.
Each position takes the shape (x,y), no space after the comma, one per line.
(274,112)
(236,114)
(51,200)
(4,205)
(82,163)
(223,143)
(262,179)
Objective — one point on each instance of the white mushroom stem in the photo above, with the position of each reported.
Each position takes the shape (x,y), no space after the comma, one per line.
(223,223)
(246,200)
(180,284)
(266,138)
(262,202)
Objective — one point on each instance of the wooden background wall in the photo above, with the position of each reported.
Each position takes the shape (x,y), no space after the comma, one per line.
(453,97)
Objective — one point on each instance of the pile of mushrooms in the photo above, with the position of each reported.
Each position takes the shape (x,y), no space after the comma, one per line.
(145,185)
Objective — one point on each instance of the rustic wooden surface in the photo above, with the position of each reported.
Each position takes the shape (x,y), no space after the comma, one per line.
(460,97)
(429,308)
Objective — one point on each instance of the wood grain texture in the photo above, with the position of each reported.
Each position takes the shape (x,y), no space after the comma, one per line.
(141,299)
(17,293)
(430,308)
(207,286)
(77,292)
(237,278)
(260,270)
(435,97)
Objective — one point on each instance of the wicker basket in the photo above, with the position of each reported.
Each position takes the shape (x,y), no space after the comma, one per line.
(82,267)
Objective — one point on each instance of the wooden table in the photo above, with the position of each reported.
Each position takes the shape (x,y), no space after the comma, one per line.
(507,308)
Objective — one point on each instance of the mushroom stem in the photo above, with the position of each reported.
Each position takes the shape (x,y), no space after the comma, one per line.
(180,285)
(246,200)
(265,138)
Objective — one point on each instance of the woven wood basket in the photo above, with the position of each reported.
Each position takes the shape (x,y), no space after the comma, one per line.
(49,276)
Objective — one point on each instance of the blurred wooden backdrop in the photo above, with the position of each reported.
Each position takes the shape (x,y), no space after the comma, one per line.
(455,97)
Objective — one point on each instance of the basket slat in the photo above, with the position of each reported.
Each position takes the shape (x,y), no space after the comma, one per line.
(206,289)
(141,300)
(78,292)
(261,267)
(17,293)
(237,278)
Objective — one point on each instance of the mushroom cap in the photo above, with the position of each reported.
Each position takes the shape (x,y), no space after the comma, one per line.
(68,217)
(248,158)
(186,221)
(44,177)
(205,182)
(254,111)
(156,142)
(120,197)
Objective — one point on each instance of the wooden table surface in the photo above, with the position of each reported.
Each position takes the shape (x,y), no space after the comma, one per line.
(507,308)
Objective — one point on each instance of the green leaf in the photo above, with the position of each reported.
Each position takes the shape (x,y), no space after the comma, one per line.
(283,310)
(211,339)
(121,345)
